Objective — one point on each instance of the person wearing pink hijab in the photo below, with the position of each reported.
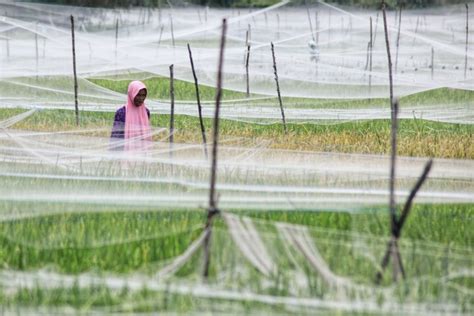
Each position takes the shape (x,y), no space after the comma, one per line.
(132,121)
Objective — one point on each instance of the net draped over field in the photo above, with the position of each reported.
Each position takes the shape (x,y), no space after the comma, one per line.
(51,181)
(36,58)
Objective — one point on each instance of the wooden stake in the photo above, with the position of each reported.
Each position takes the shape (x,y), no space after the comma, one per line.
(398,37)
(172,29)
(198,99)
(370,58)
(389,58)
(392,246)
(467,40)
(278,25)
(159,38)
(316,25)
(416,28)
(247,80)
(172,110)
(375,30)
(76,105)
(213,210)
(116,37)
(432,62)
(36,51)
(310,23)
(278,89)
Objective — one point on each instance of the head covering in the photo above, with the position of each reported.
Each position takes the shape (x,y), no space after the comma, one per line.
(137,125)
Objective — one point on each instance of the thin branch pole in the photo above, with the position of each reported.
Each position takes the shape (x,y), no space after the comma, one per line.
(172,30)
(310,23)
(76,105)
(416,28)
(370,58)
(432,62)
(116,38)
(316,25)
(389,58)
(278,89)
(159,38)
(247,80)
(278,25)
(467,40)
(198,99)
(393,136)
(398,37)
(172,109)
(213,210)
(375,30)
(411,196)
(392,246)
(249,34)
(36,51)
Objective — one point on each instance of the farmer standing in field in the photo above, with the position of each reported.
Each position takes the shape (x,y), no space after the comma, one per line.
(131,129)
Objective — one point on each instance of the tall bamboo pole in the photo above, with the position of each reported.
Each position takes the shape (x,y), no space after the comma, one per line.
(76,105)
(198,99)
(213,210)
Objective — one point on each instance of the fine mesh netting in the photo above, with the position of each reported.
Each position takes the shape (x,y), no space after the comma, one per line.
(321,53)
(85,227)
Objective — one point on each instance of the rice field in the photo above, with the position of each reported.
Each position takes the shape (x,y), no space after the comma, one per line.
(304,218)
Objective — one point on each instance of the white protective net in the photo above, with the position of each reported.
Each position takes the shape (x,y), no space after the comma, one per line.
(64,246)
(37,58)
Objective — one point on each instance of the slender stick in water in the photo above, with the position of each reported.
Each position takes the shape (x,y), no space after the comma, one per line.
(467,40)
(172,110)
(213,210)
(198,99)
(398,36)
(278,89)
(76,105)
(247,80)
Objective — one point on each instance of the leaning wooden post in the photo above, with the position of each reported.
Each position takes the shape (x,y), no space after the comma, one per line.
(213,210)
(171,110)
(198,99)
(398,37)
(247,80)
(74,69)
(278,89)
(467,40)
